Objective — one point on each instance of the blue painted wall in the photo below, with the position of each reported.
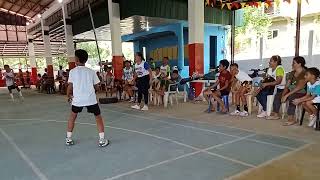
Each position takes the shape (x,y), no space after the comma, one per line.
(176,35)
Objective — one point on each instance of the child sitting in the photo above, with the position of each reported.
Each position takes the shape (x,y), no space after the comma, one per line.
(312,96)
(224,81)
(109,80)
(245,82)
(128,80)
(175,78)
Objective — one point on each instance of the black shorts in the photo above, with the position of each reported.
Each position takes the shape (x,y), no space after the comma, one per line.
(94,109)
(10,88)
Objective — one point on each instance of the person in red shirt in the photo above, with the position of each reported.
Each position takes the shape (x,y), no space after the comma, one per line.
(222,87)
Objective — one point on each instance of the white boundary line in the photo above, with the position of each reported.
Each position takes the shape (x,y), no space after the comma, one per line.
(20,124)
(183,156)
(34,168)
(173,141)
(202,122)
(207,130)
(186,126)
(252,167)
(268,162)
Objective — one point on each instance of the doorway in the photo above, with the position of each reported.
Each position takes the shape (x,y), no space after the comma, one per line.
(213,52)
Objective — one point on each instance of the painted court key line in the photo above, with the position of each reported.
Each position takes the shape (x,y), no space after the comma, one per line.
(183,156)
(206,130)
(34,168)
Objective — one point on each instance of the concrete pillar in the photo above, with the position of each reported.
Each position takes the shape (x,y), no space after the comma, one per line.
(261,49)
(32,60)
(47,48)
(114,19)
(68,36)
(196,36)
(180,47)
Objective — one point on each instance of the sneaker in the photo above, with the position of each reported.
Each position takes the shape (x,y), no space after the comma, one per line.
(315,125)
(145,108)
(312,120)
(69,142)
(244,114)
(131,100)
(103,142)
(235,113)
(136,107)
(263,114)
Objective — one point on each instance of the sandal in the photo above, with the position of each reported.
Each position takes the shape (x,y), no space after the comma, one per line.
(273,118)
(290,123)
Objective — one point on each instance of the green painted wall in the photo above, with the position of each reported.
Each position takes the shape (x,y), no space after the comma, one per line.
(171,9)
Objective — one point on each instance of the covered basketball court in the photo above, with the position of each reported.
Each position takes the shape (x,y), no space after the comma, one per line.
(143,146)
(179,143)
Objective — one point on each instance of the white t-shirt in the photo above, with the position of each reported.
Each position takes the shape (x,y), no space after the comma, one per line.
(242,76)
(127,74)
(83,80)
(9,76)
(142,69)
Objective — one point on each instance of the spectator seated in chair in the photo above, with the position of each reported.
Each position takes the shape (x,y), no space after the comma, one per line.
(245,81)
(164,75)
(224,83)
(128,80)
(313,95)
(175,79)
(109,80)
(28,79)
(38,83)
(275,80)
(295,88)
(100,79)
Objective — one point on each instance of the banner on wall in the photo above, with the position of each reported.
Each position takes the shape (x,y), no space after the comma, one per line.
(238,4)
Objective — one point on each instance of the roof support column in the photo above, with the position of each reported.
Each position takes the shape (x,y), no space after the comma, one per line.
(47,48)
(32,60)
(180,47)
(68,36)
(114,19)
(196,36)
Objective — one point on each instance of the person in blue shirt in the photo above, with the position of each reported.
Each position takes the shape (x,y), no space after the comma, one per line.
(312,96)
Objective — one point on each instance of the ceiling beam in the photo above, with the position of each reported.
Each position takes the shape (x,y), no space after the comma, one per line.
(43,7)
(35,6)
(12,4)
(23,5)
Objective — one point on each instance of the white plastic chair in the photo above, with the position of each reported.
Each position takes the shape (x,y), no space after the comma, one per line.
(270,100)
(170,93)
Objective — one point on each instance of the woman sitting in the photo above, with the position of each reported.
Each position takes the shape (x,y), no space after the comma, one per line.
(275,81)
(295,88)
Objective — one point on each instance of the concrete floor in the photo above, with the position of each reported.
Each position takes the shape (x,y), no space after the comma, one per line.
(32,141)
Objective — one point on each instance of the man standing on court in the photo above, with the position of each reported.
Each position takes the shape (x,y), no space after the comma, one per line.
(81,92)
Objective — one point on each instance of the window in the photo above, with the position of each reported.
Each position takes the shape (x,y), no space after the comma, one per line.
(273,34)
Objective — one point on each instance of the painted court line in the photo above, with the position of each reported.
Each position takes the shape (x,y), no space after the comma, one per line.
(206,130)
(21,124)
(180,157)
(268,162)
(34,168)
(201,122)
(179,143)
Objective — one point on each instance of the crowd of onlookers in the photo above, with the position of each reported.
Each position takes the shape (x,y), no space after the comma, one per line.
(158,83)
(300,87)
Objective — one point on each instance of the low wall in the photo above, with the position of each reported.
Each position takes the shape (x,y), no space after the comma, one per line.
(246,65)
